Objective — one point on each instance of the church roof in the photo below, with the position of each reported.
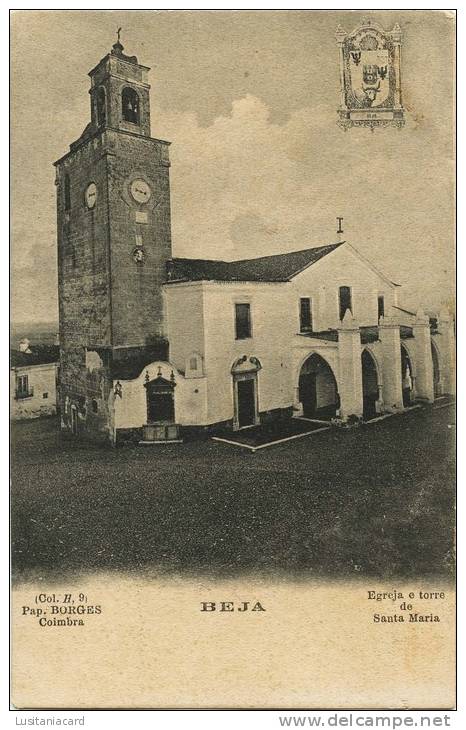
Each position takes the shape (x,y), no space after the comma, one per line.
(281,267)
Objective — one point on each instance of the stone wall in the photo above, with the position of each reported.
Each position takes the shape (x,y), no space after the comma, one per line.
(137,305)
(106,298)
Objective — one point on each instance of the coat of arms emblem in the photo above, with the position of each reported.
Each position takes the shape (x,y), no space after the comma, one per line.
(370,74)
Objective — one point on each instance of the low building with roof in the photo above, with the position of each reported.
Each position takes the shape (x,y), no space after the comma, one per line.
(33,380)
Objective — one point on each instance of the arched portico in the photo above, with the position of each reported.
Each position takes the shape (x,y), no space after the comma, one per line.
(318,391)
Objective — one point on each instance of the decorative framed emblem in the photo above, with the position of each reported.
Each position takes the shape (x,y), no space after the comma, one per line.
(370,76)
(139,255)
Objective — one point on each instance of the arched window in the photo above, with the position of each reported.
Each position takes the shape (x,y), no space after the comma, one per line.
(344,300)
(101,107)
(130,105)
(67,188)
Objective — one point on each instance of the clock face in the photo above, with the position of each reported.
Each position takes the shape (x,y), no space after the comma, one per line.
(90,195)
(140,191)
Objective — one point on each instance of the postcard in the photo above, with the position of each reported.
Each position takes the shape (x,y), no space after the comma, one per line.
(232,375)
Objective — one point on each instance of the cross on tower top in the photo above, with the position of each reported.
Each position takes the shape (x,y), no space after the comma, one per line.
(118,46)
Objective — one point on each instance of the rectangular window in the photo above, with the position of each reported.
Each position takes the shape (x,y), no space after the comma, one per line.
(22,384)
(193,363)
(381,307)
(45,395)
(22,387)
(242,321)
(305,314)
(344,298)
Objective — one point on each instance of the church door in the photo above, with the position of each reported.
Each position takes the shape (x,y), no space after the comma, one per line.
(246,391)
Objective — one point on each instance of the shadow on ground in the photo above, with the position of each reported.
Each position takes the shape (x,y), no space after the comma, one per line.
(375,501)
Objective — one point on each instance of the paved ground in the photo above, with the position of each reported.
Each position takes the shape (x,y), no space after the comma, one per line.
(376,500)
(268,434)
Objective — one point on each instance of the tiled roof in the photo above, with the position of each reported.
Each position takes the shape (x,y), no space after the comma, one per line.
(330,335)
(281,267)
(39,355)
(128,363)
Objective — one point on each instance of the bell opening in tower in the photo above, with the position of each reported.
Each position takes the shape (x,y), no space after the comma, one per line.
(130,105)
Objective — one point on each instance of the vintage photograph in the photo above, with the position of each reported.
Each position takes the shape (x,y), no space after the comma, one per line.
(232,359)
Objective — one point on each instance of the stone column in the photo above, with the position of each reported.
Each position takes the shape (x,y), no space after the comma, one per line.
(447,347)
(389,335)
(350,368)
(424,386)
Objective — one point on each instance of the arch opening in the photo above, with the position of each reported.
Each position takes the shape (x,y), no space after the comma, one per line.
(407,377)
(436,370)
(318,391)
(370,385)
(130,105)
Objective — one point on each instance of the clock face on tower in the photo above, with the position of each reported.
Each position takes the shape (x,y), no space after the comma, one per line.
(90,195)
(140,190)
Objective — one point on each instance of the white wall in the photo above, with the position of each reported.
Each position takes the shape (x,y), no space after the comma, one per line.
(201,318)
(322,280)
(190,398)
(184,309)
(270,343)
(42,379)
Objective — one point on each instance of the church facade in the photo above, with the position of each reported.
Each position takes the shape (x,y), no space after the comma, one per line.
(156,348)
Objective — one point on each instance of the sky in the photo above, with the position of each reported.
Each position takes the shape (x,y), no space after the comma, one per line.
(259,165)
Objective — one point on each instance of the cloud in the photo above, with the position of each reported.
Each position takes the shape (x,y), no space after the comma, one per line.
(244,186)
(247,186)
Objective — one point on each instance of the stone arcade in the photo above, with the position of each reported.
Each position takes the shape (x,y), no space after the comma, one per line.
(154,347)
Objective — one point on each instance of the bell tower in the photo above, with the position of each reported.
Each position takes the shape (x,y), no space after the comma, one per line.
(114,240)
(120,93)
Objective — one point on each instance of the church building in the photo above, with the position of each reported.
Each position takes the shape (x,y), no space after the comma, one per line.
(158,348)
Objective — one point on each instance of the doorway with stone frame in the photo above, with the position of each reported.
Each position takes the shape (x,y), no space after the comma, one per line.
(245,392)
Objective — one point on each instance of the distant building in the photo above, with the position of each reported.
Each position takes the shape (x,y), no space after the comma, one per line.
(33,380)
(152,346)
